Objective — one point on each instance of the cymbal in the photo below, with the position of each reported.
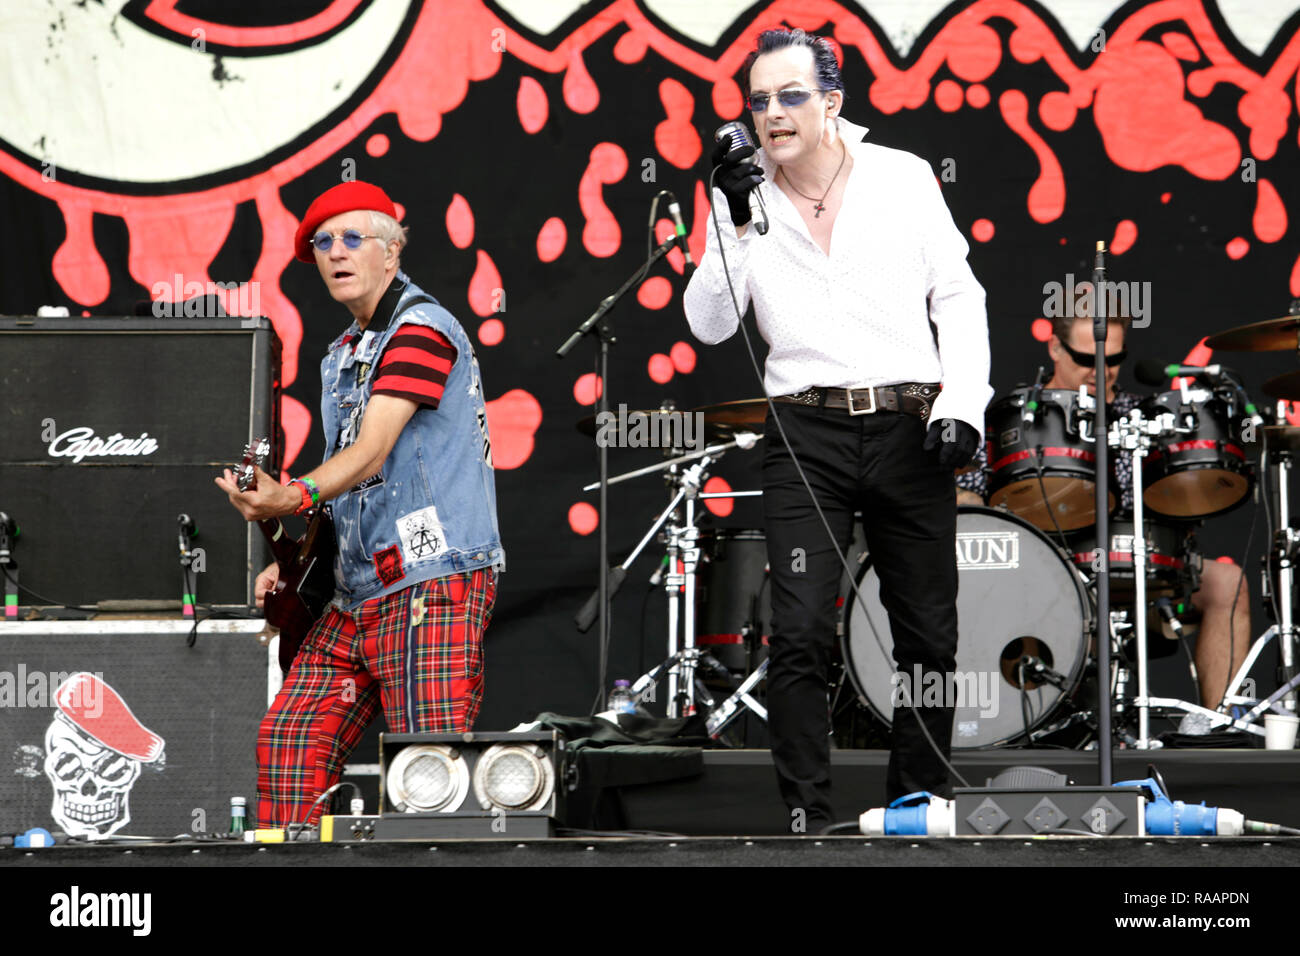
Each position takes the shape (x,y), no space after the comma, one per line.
(657,420)
(1283,386)
(1281,438)
(1272,335)
(747,411)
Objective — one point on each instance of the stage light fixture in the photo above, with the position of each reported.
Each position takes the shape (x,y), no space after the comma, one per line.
(428,778)
(514,777)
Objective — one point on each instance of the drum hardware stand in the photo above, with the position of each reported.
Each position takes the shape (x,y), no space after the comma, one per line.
(679,580)
(731,708)
(1285,541)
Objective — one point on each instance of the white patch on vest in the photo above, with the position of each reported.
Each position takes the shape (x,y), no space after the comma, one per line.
(421,535)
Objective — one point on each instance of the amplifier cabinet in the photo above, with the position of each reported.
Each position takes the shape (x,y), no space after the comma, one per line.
(113,428)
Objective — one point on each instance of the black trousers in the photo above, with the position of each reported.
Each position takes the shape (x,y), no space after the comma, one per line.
(875,464)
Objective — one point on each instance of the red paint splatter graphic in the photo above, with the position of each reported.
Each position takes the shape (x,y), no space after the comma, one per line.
(655,293)
(722,507)
(1270,215)
(982,230)
(492,332)
(583,518)
(601,235)
(683,357)
(1041,329)
(1126,232)
(513,420)
(532,105)
(675,137)
(660,368)
(377,145)
(551,239)
(948,96)
(1237,247)
(586,390)
(485,293)
(460,222)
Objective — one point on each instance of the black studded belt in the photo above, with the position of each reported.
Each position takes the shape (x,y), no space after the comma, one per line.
(910,398)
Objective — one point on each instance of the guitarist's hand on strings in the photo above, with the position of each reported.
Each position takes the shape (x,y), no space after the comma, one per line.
(265,583)
(268,499)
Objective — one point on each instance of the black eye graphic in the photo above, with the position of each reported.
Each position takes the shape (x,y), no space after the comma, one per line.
(114,768)
(68,767)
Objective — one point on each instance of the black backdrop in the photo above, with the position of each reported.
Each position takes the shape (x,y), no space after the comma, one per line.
(514,181)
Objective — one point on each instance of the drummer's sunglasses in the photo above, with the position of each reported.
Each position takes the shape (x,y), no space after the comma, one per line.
(1086,360)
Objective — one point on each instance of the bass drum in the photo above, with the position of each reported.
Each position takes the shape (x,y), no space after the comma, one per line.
(1016,595)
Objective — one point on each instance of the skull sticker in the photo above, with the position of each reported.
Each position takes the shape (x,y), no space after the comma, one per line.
(93,757)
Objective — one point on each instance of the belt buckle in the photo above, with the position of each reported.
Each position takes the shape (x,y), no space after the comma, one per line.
(848,394)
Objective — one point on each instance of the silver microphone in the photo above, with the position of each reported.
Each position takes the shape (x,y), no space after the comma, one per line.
(738,135)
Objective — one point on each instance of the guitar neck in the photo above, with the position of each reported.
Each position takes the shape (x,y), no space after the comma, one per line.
(284,546)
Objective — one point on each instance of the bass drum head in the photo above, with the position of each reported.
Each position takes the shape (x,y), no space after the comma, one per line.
(1016,595)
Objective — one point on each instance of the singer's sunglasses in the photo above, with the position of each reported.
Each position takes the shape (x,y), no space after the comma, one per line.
(790,98)
(351,238)
(1086,360)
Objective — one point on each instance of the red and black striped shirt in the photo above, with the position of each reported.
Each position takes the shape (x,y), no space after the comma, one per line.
(415,365)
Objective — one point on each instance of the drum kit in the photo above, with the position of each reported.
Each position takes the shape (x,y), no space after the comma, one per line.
(1028,564)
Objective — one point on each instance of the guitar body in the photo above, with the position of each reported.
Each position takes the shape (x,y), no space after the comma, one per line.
(306,580)
(305,587)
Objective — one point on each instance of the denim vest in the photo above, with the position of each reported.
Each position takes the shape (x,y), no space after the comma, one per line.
(431,511)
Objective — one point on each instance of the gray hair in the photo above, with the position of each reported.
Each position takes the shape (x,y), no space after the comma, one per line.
(388,229)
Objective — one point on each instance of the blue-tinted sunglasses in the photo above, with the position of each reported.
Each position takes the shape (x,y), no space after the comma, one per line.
(351,238)
(790,98)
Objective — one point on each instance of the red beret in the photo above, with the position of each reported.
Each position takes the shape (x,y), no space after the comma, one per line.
(345,197)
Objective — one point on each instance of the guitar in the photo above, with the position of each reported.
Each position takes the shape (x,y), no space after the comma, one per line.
(306,583)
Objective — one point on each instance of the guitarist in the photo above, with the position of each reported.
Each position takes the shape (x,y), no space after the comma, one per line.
(408,475)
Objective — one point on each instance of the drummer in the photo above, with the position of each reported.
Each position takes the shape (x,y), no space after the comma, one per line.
(1224,632)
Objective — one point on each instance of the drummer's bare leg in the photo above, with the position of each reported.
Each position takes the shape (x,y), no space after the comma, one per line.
(1225,635)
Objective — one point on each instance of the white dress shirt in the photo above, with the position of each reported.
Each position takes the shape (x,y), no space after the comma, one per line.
(862,315)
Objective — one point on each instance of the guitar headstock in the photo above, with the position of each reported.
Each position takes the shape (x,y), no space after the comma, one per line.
(255,455)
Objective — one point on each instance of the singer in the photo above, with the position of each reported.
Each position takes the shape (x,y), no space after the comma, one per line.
(1222,600)
(860,257)
(408,473)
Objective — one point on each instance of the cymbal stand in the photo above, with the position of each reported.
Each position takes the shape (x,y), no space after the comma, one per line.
(1284,549)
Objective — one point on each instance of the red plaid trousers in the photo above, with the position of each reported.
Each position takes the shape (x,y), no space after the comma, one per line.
(416,653)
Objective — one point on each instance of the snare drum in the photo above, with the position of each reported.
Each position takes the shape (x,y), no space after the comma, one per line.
(1043,461)
(1172,560)
(1197,466)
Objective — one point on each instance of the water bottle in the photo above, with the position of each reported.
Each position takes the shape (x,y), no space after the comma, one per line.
(238,807)
(621,700)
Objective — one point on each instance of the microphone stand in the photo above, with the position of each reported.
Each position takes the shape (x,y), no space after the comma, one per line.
(1101,431)
(597,324)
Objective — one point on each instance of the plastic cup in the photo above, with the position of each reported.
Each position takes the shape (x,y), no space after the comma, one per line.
(1280,731)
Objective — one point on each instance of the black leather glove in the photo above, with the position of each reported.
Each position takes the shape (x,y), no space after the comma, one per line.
(956,440)
(736,178)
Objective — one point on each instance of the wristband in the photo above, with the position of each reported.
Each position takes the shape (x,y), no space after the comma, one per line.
(311,486)
(306,495)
